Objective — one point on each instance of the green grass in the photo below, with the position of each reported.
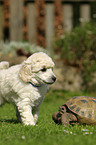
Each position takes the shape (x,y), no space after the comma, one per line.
(46,132)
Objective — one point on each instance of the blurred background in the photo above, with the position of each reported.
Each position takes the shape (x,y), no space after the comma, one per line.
(65,29)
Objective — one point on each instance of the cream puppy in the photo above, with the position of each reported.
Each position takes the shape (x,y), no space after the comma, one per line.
(25,85)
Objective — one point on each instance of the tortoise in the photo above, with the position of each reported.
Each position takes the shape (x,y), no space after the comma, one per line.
(79,109)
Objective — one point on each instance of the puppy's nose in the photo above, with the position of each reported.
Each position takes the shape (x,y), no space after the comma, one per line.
(54,78)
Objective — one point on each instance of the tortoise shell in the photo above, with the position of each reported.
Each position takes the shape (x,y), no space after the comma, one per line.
(84,108)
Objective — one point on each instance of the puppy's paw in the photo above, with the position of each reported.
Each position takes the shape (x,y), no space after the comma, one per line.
(29,123)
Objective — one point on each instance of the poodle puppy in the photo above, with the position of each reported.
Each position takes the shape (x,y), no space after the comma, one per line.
(25,85)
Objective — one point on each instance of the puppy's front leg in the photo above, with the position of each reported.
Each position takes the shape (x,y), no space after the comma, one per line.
(26,114)
(36,113)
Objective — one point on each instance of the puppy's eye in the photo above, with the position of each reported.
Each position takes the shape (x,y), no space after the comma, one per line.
(43,70)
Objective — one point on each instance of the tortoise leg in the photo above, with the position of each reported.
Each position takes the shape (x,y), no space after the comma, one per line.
(56,117)
(68,118)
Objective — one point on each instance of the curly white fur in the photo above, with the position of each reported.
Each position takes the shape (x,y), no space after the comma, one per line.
(25,85)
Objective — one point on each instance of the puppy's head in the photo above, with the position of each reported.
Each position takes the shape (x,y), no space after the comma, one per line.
(37,69)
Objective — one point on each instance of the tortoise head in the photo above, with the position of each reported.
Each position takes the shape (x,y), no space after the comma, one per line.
(62,109)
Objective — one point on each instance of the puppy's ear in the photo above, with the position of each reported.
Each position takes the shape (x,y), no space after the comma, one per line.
(25,72)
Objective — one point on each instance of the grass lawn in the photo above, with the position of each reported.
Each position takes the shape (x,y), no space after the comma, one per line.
(46,132)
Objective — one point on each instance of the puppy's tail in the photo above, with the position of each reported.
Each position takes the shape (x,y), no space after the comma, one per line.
(4,65)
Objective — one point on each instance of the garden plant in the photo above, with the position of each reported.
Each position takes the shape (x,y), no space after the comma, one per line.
(78,49)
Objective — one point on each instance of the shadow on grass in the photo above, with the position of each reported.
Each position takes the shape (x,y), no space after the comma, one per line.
(13,121)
